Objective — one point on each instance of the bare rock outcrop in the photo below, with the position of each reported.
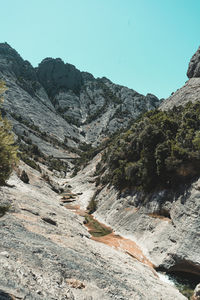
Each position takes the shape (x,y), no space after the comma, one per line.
(166,226)
(191,90)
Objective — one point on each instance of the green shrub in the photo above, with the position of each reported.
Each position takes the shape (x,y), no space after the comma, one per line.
(4,209)
(92,206)
(8,151)
(30,162)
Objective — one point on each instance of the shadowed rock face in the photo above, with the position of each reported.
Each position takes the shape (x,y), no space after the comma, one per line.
(194,65)
(14,63)
(57,76)
(5,296)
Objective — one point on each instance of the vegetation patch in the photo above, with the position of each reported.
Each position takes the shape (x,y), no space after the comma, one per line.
(4,209)
(8,149)
(185,282)
(96,229)
(160,150)
(92,206)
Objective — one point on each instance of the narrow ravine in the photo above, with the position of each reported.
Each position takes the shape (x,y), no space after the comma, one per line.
(104,234)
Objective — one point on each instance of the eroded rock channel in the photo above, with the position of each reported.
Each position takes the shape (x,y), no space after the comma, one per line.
(99,232)
(104,234)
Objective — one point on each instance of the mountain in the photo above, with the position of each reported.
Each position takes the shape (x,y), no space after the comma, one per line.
(64,103)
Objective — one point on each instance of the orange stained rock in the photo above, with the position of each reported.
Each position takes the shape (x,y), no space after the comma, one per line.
(125,245)
(114,240)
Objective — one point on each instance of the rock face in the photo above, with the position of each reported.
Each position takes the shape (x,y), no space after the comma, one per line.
(46,260)
(64,103)
(45,251)
(56,76)
(191,90)
(164,224)
(194,65)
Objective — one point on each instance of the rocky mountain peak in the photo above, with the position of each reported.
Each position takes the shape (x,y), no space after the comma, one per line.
(6,49)
(71,105)
(194,65)
(55,75)
(11,61)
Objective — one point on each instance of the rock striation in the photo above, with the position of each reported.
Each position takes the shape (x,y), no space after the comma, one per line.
(165,224)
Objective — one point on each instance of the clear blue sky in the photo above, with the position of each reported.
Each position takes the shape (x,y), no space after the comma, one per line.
(143,44)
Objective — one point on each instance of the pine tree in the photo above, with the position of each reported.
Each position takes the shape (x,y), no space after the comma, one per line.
(8,151)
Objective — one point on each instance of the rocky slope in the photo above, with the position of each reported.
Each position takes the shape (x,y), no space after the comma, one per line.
(57,100)
(171,242)
(46,252)
(191,90)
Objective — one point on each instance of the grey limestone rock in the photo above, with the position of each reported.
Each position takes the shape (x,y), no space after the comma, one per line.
(165,224)
(191,90)
(194,65)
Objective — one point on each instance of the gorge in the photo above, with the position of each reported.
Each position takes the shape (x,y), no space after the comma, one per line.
(64,122)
